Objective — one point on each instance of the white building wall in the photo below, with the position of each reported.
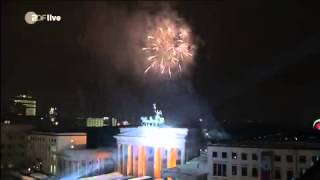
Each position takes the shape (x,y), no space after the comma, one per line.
(283,165)
(46,146)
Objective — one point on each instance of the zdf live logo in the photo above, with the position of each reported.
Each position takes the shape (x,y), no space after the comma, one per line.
(31,17)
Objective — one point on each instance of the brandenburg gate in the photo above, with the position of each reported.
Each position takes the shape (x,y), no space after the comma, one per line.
(146,150)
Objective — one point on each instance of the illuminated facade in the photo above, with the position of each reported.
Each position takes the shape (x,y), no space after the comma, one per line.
(97,122)
(146,150)
(24,105)
(103,121)
(114,122)
(195,169)
(254,161)
(44,147)
(75,163)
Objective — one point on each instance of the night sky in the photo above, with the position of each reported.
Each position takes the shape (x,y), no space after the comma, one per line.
(256,60)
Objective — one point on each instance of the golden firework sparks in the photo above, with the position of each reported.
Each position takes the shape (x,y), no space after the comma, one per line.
(168,47)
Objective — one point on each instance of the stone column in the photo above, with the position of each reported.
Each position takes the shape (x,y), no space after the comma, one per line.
(78,168)
(129,161)
(157,162)
(134,161)
(140,160)
(149,164)
(119,158)
(144,161)
(168,158)
(173,157)
(183,156)
(123,157)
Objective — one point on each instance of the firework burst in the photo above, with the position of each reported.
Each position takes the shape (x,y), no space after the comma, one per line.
(168,47)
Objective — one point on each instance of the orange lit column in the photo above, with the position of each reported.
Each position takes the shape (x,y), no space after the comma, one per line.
(142,161)
(129,161)
(172,158)
(134,161)
(157,162)
(123,159)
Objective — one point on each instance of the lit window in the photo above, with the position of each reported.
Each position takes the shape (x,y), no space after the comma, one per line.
(54,157)
(71,140)
(315,159)
(234,155)
(302,171)
(54,169)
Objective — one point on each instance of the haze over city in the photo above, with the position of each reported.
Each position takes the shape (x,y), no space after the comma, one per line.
(217,71)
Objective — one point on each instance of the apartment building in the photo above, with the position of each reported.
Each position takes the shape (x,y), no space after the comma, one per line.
(263,161)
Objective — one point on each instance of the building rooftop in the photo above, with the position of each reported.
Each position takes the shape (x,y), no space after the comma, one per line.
(143,131)
(111,176)
(87,153)
(267,144)
(198,166)
(59,133)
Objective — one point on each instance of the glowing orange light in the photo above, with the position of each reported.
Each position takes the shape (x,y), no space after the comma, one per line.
(157,163)
(140,161)
(129,167)
(144,162)
(173,158)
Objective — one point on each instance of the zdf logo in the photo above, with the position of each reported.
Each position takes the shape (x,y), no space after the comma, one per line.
(31,17)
